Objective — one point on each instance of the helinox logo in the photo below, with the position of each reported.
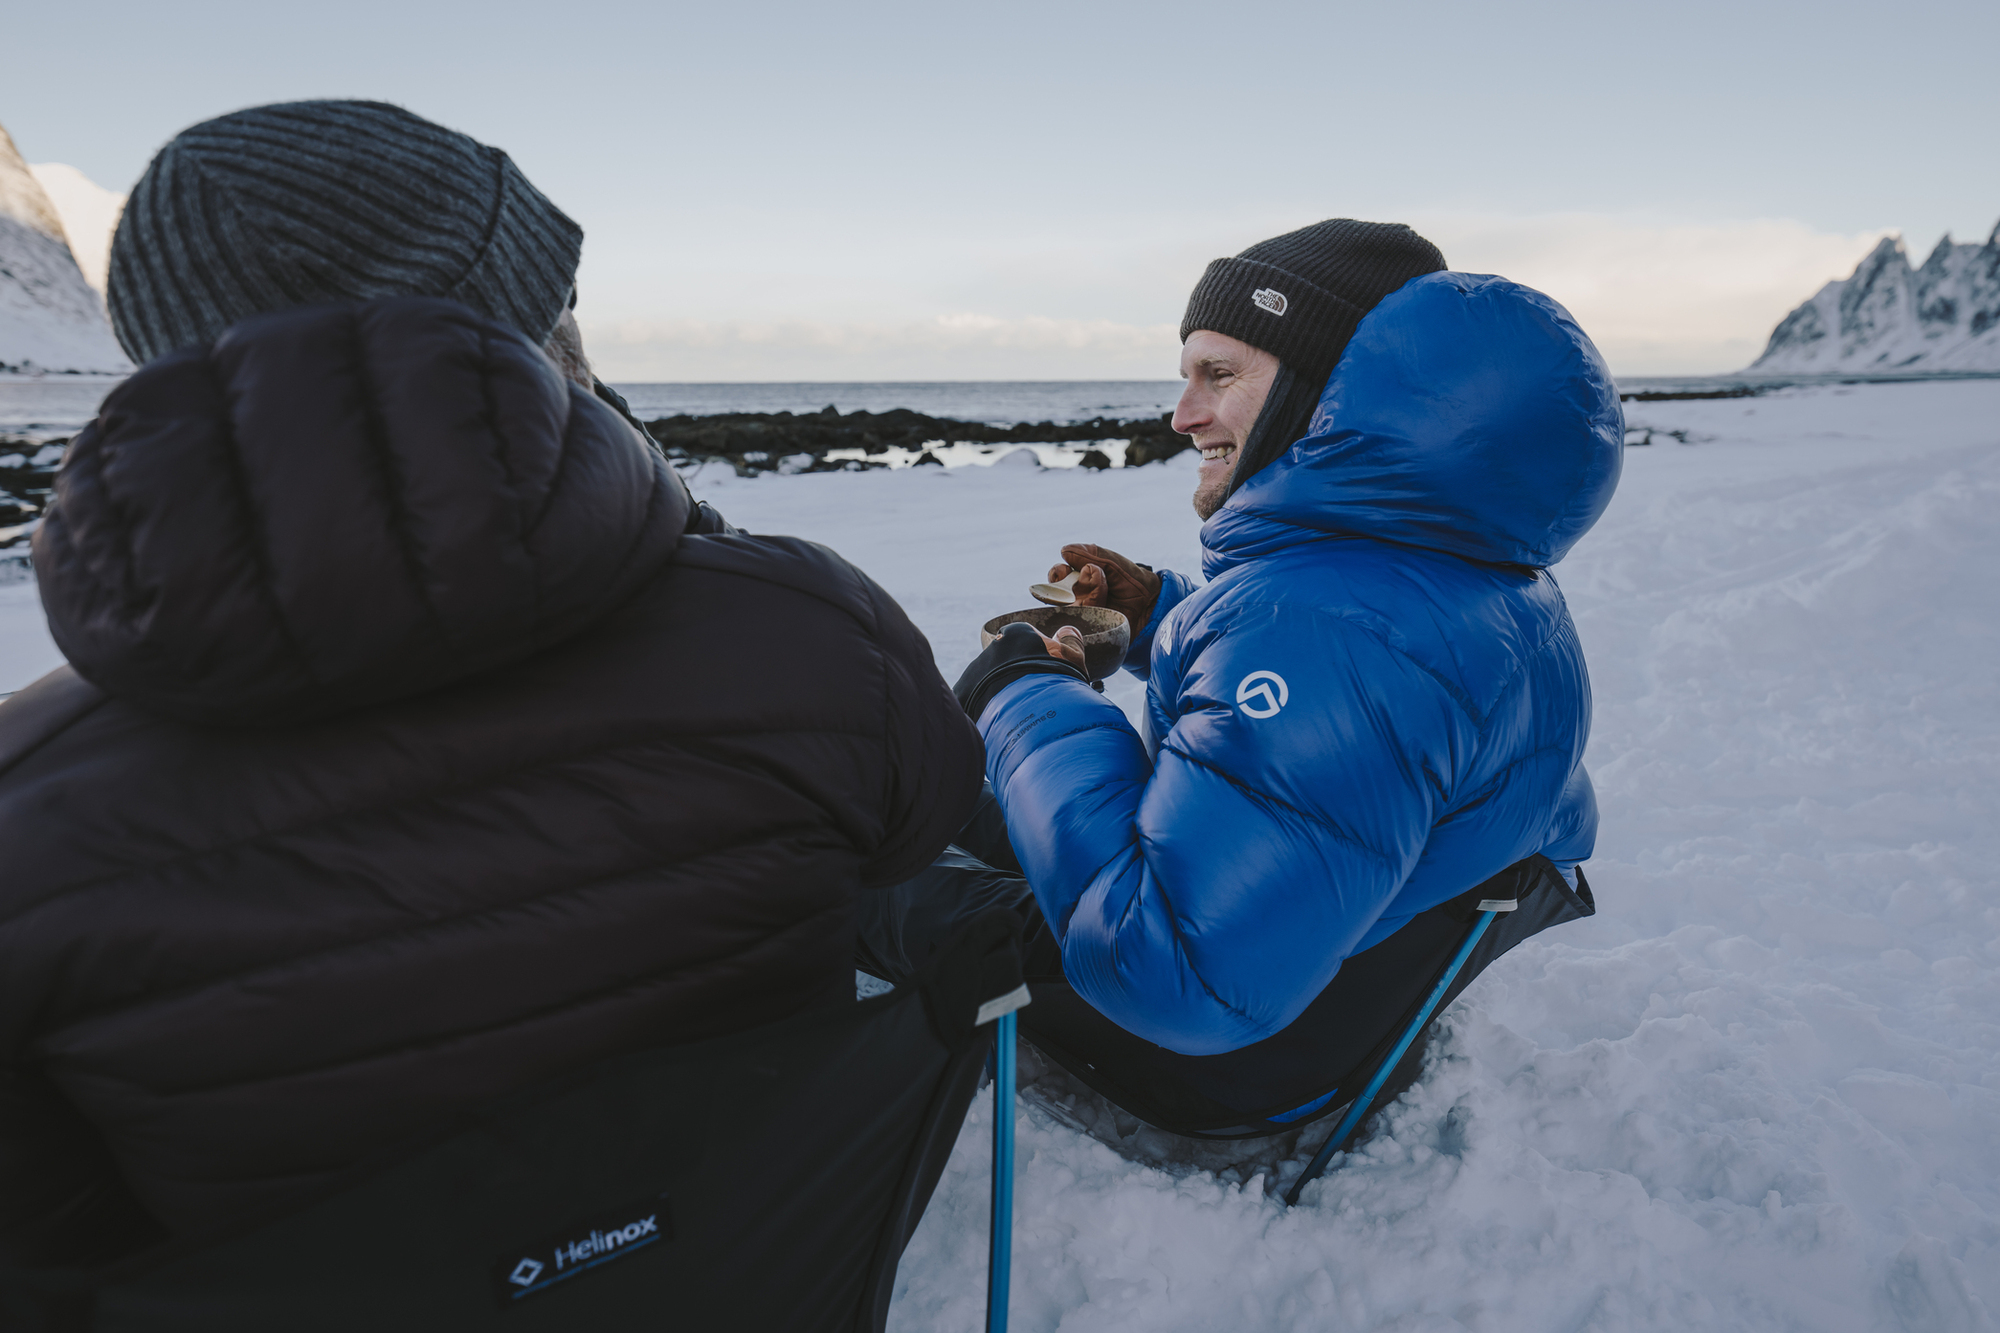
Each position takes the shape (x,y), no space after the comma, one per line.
(579,1248)
(1257,697)
(1266,299)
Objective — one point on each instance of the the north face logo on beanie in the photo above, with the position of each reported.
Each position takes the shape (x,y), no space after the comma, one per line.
(1264,298)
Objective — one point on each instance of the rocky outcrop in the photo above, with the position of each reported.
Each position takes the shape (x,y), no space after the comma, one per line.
(1891,319)
(50,319)
(27,479)
(784,441)
(751,442)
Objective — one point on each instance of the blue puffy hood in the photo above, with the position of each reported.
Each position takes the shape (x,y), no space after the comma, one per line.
(1469,414)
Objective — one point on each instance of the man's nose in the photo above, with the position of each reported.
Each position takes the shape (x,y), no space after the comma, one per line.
(1190,413)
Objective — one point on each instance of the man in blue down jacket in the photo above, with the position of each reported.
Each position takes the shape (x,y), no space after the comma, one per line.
(1370,719)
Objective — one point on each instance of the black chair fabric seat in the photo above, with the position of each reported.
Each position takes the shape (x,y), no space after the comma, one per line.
(1332,1048)
(783,1169)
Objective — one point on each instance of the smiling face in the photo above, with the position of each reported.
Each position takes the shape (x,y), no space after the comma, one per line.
(1227,382)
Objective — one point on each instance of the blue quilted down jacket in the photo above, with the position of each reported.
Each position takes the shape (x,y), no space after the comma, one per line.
(1376,701)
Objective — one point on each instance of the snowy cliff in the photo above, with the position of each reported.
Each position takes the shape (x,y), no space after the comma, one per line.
(50,319)
(1890,317)
(89,214)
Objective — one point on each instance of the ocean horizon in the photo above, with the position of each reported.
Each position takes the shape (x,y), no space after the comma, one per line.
(60,404)
(51,405)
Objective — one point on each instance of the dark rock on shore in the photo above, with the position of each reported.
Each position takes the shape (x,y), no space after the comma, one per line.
(1156,446)
(1663,396)
(27,479)
(750,442)
(754,442)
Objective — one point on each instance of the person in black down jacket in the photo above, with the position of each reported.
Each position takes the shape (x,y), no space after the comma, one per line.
(412,749)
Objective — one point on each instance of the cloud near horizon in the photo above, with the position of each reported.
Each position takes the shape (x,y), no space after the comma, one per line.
(1659,297)
(943,347)
(1663,298)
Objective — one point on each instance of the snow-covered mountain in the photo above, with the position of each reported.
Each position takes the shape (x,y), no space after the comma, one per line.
(1887,316)
(50,319)
(89,214)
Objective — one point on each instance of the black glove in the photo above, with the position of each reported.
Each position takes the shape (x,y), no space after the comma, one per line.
(1017,652)
(704,521)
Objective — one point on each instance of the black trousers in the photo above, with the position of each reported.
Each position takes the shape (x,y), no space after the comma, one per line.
(1332,1048)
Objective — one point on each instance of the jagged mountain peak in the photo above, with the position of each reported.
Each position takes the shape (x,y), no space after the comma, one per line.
(22,198)
(89,214)
(1887,249)
(1887,317)
(50,319)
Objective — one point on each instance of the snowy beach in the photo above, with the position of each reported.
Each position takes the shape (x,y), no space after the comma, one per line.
(1760,1089)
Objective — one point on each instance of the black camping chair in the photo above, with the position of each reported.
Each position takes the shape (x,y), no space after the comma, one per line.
(1366,1029)
(767,1180)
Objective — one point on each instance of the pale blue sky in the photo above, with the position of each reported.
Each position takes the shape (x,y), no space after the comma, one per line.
(951,191)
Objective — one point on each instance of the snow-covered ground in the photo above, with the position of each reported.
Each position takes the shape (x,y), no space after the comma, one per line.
(1761,1089)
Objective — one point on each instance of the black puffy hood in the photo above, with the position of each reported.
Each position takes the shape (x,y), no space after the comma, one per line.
(334,506)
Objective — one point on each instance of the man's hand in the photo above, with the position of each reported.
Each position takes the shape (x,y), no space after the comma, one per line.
(1067,644)
(1109,579)
(1018,650)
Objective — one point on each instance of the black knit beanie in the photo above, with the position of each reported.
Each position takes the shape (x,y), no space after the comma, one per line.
(301,203)
(1299,296)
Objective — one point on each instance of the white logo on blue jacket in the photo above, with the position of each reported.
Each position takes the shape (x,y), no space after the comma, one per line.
(1258,686)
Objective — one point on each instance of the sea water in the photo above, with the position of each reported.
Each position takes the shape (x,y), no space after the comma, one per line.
(61,404)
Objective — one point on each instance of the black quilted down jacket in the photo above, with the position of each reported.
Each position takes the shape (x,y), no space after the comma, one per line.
(411,752)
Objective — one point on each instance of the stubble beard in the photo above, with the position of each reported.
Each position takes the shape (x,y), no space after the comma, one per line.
(1209,495)
(1208,498)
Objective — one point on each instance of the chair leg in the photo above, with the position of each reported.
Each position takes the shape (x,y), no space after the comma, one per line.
(1389,1063)
(1000,1254)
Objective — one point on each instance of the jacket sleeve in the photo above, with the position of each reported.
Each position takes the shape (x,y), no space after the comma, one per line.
(1174,589)
(1203,901)
(62,1200)
(1573,829)
(932,753)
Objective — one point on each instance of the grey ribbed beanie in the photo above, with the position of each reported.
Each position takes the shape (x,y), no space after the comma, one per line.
(301,203)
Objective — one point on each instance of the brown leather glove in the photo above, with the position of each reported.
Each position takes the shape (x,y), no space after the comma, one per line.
(1109,579)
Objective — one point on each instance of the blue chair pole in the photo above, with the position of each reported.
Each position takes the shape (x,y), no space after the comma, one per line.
(1000,1254)
(1389,1062)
